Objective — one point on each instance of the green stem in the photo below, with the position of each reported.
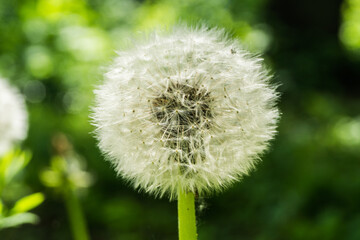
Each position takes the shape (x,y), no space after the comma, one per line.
(186,215)
(76,217)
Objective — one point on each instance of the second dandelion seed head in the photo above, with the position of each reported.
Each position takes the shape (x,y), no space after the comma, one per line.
(13,117)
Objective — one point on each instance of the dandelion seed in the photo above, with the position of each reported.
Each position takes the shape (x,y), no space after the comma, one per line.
(13,116)
(205,105)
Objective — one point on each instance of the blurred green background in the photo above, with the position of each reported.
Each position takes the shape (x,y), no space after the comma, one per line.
(308,185)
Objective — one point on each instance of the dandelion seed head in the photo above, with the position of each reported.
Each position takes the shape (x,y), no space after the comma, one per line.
(13,116)
(186,108)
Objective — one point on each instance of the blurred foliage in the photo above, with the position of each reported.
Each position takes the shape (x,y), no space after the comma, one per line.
(67,168)
(11,165)
(350,29)
(65,173)
(307,187)
(67,176)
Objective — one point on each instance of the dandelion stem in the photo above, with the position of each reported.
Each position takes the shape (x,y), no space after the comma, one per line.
(186,215)
(76,217)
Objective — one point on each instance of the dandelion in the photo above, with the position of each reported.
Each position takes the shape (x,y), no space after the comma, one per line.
(13,116)
(186,111)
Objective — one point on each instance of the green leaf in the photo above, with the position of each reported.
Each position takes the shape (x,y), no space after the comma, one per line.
(18,219)
(19,162)
(51,178)
(12,163)
(58,164)
(27,203)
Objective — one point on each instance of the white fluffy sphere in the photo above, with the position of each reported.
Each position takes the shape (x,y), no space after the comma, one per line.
(185,109)
(13,116)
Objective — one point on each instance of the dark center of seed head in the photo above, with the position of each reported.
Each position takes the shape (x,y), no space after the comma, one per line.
(182,109)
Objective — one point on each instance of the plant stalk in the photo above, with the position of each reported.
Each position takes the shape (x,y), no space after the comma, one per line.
(76,217)
(186,215)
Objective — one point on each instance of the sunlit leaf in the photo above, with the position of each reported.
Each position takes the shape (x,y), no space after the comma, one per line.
(1,208)
(58,164)
(27,203)
(12,163)
(18,219)
(51,178)
(19,161)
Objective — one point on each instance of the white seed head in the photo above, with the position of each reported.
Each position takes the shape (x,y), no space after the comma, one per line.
(13,116)
(187,108)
